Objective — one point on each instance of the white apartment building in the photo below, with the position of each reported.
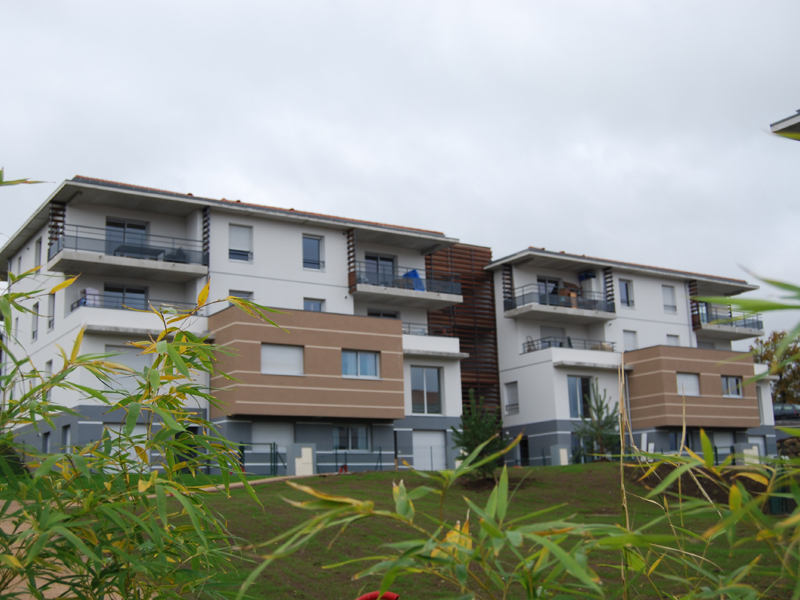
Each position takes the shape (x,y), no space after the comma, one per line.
(361,378)
(566,323)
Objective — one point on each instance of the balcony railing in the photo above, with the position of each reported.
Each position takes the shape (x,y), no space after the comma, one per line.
(563,297)
(407,278)
(129,244)
(728,318)
(566,342)
(128,302)
(425,329)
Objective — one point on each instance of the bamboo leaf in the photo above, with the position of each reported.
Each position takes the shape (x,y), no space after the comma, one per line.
(47,466)
(708,450)
(132,417)
(502,495)
(64,284)
(202,297)
(177,361)
(76,347)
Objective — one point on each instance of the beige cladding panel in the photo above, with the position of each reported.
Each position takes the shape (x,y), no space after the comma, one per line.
(321,391)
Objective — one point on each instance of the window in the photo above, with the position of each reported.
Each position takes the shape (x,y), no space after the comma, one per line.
(732,386)
(629,341)
(37,253)
(241,294)
(357,363)
(313,305)
(48,372)
(127,238)
(688,384)
(351,437)
(379,270)
(19,265)
(626,292)
(512,398)
(281,360)
(46,442)
(35,322)
(547,285)
(124,296)
(668,292)
(51,311)
(673,340)
(312,253)
(580,389)
(426,395)
(66,439)
(382,314)
(240,243)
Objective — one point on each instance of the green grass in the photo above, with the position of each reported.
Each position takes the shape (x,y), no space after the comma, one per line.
(589,494)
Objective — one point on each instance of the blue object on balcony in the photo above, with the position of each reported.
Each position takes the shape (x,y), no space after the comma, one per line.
(416,280)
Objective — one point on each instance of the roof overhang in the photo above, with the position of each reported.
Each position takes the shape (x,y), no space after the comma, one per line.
(535,258)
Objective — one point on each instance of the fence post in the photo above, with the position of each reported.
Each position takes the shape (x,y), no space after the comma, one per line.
(544,460)
(241,454)
(431,448)
(336,460)
(716,455)
(733,454)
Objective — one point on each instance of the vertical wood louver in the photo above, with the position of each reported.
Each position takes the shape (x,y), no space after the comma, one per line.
(694,305)
(508,287)
(206,230)
(472,321)
(351,259)
(608,284)
(58,214)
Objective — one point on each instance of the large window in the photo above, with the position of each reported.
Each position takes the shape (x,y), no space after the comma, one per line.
(512,398)
(668,292)
(426,390)
(351,437)
(124,296)
(312,252)
(51,311)
(626,292)
(688,384)
(731,386)
(281,360)
(357,363)
(240,243)
(580,390)
(382,314)
(379,269)
(37,253)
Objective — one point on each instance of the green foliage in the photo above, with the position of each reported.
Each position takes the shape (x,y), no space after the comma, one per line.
(14,181)
(114,518)
(786,390)
(480,427)
(598,432)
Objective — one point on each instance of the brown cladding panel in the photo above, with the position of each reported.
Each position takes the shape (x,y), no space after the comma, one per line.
(322,391)
(472,321)
(653,388)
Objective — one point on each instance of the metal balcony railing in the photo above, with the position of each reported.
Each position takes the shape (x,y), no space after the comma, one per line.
(534,293)
(131,244)
(729,318)
(117,302)
(566,342)
(407,278)
(425,329)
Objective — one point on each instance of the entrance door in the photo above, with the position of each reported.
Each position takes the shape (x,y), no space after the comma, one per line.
(429,450)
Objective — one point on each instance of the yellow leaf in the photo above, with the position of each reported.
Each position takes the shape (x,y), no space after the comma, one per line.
(793,520)
(693,454)
(755,477)
(735,498)
(203,296)
(654,565)
(144,484)
(64,284)
(108,485)
(76,348)
(141,453)
(13,560)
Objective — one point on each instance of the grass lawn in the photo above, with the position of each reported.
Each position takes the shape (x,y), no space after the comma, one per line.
(590,493)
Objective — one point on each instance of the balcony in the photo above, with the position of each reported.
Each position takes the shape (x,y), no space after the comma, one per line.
(110,252)
(566,342)
(722,323)
(425,329)
(404,286)
(116,302)
(567,305)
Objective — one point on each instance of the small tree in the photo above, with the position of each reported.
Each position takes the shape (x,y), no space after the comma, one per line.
(598,431)
(785,365)
(479,424)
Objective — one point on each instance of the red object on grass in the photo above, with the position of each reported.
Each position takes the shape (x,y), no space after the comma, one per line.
(374,596)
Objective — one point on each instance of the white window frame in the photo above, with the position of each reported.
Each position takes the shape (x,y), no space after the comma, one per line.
(511,390)
(425,410)
(35,322)
(37,253)
(738,386)
(236,250)
(583,393)
(676,338)
(627,285)
(635,336)
(682,384)
(669,309)
(320,261)
(358,354)
(51,312)
(292,363)
(308,301)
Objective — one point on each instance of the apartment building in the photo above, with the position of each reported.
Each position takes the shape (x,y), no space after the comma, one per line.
(567,323)
(369,372)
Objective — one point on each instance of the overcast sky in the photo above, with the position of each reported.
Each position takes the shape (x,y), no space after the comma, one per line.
(630,130)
